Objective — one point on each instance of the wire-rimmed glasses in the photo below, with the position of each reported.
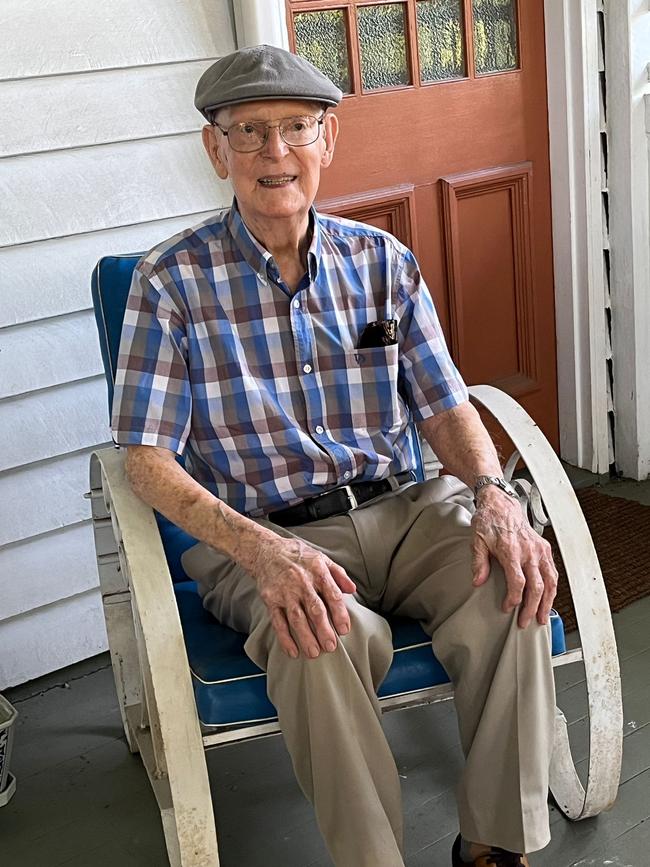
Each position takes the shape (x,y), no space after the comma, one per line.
(251,135)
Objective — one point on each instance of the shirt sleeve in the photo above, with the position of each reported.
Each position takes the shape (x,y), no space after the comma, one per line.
(429,377)
(152,401)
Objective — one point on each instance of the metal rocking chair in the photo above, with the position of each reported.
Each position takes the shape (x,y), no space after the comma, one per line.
(184,683)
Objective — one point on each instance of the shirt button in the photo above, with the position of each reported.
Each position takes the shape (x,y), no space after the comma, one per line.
(307,368)
(347,474)
(320,429)
(296,303)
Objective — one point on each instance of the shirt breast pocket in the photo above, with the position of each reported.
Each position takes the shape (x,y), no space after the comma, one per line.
(372,376)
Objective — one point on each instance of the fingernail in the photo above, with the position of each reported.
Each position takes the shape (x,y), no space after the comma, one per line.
(313,652)
(344,630)
(293,654)
(330,645)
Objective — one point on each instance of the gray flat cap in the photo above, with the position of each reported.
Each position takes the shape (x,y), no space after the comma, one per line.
(262,72)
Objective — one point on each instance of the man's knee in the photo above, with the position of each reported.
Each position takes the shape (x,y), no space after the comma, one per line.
(367,648)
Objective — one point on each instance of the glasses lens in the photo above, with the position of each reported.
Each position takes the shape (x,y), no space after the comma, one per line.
(298,131)
(247,136)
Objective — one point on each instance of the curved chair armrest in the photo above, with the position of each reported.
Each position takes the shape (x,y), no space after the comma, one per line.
(143,565)
(175,730)
(592,614)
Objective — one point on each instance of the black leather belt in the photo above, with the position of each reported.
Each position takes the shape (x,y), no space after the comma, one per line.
(338,501)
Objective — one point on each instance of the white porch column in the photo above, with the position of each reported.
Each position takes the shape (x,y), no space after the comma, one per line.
(628,52)
(261,21)
(574,131)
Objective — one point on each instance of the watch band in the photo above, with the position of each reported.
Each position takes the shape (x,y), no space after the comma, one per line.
(498,481)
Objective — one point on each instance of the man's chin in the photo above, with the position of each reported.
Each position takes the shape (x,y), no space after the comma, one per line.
(282,208)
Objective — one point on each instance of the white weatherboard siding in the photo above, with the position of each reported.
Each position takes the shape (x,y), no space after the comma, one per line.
(102,155)
(87,189)
(51,37)
(50,278)
(105,106)
(70,556)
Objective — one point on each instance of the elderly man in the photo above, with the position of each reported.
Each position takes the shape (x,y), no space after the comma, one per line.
(283,353)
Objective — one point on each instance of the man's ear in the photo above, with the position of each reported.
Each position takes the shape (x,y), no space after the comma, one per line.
(210,136)
(331,124)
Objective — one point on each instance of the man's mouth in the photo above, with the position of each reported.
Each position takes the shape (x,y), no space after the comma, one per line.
(276,180)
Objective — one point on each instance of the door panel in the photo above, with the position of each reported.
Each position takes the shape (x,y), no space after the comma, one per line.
(444,142)
(392,210)
(491,291)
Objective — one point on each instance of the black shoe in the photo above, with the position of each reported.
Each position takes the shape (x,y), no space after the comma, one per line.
(496,857)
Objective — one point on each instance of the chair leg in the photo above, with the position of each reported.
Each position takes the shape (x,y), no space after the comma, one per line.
(179,779)
(124,658)
(190,842)
(116,598)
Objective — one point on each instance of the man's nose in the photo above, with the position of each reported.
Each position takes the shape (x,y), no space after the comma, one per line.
(275,145)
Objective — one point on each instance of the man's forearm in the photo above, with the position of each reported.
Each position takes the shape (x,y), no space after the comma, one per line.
(161,482)
(462,444)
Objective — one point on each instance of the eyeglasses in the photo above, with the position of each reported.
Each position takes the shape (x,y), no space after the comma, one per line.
(252,135)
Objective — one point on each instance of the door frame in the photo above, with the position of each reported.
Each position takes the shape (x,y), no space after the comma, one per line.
(572,76)
(574,132)
(627,30)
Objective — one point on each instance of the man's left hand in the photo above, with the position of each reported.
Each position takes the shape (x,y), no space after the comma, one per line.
(501,530)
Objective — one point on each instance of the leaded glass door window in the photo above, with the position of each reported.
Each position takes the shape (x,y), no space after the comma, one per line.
(367,46)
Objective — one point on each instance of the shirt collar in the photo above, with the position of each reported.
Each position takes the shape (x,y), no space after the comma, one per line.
(259,259)
(255,255)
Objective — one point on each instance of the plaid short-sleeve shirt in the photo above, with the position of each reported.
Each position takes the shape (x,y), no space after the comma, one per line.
(267,392)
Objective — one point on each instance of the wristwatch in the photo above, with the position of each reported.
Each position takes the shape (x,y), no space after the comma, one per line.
(483,481)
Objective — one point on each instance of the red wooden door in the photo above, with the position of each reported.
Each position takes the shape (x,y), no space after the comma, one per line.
(444,142)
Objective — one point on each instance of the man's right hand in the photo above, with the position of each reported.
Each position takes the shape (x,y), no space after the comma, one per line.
(302,588)
(303,591)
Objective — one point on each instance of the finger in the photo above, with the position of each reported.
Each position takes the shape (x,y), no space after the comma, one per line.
(341,577)
(549,574)
(532,595)
(515,584)
(301,630)
(320,623)
(480,561)
(279,623)
(336,607)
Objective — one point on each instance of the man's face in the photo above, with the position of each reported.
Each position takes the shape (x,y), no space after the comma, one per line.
(277,181)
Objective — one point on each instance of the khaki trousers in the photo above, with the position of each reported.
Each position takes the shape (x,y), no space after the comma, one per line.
(409,553)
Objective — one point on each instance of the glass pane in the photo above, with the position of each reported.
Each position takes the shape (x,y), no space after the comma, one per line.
(382,39)
(440,40)
(321,37)
(495,35)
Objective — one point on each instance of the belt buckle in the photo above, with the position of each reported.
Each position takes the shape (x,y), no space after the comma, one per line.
(352,500)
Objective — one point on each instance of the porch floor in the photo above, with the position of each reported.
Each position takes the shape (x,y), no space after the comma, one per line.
(83,801)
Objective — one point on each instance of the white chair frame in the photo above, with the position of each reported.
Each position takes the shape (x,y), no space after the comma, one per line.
(152,674)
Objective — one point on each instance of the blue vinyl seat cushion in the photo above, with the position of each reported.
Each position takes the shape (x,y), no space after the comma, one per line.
(230,689)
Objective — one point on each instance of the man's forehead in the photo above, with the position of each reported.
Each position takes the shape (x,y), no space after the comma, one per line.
(267,110)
